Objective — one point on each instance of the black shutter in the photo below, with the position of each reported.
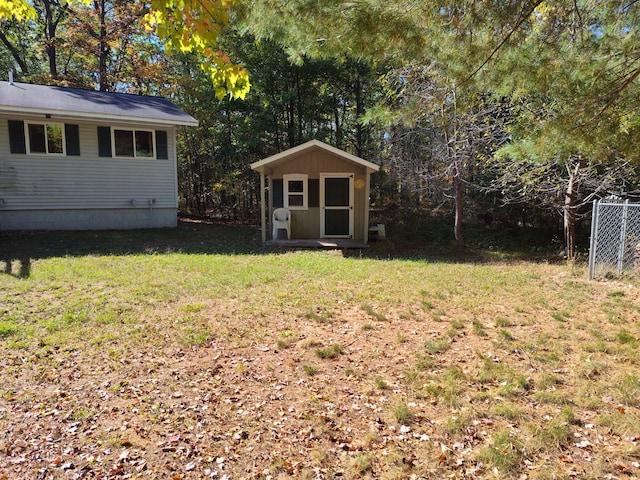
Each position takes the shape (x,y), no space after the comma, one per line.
(104,141)
(314,192)
(17,142)
(278,192)
(162,148)
(72,137)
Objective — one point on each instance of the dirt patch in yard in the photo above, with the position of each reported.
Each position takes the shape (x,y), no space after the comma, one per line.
(354,394)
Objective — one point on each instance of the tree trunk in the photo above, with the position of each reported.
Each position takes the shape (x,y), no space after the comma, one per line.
(299,108)
(50,47)
(338,139)
(359,113)
(457,183)
(452,151)
(190,197)
(103,47)
(569,212)
(14,52)
(291,115)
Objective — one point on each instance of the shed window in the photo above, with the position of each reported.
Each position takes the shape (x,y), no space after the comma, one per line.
(133,143)
(46,138)
(296,191)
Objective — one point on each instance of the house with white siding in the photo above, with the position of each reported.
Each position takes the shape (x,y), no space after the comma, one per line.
(74,159)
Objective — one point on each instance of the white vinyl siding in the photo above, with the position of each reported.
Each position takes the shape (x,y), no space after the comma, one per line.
(87,181)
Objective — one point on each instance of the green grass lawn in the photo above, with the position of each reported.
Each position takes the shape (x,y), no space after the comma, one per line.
(197,353)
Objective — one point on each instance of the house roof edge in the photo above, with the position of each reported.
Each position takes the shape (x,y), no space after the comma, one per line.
(34,99)
(261,164)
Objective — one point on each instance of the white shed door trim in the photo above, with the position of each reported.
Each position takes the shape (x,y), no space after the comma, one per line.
(336,205)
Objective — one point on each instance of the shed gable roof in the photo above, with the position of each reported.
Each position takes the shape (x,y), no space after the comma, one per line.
(74,102)
(300,149)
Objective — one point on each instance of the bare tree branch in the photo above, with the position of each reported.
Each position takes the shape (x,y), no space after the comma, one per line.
(513,30)
(14,53)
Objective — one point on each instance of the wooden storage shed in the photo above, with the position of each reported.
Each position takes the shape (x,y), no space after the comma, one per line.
(326,191)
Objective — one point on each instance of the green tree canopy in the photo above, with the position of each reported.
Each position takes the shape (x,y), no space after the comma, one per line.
(571,67)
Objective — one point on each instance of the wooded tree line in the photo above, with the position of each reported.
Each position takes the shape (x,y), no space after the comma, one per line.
(515,113)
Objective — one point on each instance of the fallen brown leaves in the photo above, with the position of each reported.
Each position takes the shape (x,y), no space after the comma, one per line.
(249,410)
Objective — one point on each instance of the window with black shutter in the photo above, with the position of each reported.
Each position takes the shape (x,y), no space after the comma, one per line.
(162,147)
(314,192)
(277,196)
(72,137)
(45,138)
(17,142)
(104,141)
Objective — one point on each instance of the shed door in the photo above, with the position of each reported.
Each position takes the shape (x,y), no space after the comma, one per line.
(336,205)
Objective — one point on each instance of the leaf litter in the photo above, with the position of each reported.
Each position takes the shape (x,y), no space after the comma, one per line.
(230,409)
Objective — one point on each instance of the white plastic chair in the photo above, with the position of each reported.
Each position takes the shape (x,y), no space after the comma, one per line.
(281,219)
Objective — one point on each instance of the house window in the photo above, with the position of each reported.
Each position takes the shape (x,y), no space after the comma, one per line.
(46,138)
(296,191)
(133,143)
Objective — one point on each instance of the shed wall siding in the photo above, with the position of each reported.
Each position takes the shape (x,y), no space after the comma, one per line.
(315,162)
(63,187)
(305,223)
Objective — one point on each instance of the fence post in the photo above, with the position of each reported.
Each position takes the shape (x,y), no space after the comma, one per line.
(623,236)
(594,239)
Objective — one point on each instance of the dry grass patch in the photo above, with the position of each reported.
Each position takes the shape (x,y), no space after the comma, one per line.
(174,361)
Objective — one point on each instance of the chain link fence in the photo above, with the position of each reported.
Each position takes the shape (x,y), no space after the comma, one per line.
(615,238)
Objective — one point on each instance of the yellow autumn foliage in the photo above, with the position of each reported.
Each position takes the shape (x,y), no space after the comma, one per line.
(183,25)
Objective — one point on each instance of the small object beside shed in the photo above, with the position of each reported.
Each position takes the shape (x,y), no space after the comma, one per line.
(378,231)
